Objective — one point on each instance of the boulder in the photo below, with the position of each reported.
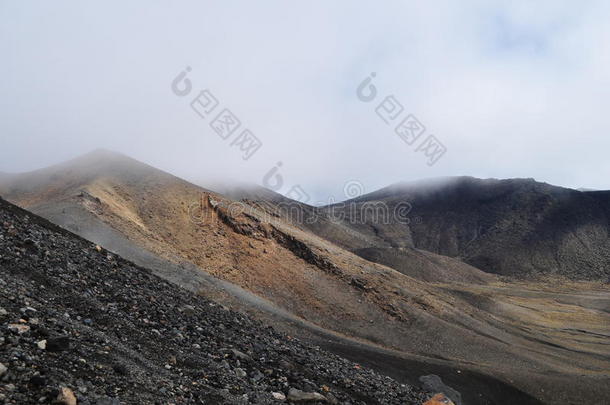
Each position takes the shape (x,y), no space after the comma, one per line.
(58,344)
(66,397)
(295,395)
(439,399)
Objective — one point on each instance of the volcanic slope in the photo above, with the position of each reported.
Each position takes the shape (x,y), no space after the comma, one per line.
(517,227)
(81,322)
(358,234)
(466,327)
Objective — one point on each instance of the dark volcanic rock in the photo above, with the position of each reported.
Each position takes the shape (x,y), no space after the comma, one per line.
(116,334)
(517,227)
(434,383)
(58,344)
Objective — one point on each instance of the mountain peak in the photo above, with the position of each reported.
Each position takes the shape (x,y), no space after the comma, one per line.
(452,184)
(83,171)
(101,156)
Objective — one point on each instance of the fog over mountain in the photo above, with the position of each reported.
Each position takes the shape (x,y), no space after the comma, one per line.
(346,203)
(528,292)
(511,89)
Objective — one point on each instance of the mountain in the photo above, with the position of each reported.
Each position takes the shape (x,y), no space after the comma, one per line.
(493,341)
(139,211)
(346,233)
(518,227)
(81,324)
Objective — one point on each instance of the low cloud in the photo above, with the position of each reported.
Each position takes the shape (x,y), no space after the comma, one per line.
(511,90)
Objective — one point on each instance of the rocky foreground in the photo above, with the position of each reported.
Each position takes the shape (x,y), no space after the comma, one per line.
(79,325)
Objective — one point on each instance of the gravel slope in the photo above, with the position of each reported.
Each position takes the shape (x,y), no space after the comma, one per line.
(77,317)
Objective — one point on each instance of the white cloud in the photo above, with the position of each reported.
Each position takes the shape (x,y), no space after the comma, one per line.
(512,89)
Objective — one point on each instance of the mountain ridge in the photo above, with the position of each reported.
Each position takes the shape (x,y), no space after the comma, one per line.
(467,324)
(554,231)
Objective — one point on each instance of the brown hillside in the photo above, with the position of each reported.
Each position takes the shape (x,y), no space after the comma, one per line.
(541,340)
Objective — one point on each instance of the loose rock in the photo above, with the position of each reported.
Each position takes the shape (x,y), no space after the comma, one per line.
(66,396)
(439,399)
(18,328)
(278,396)
(58,344)
(295,395)
(111,327)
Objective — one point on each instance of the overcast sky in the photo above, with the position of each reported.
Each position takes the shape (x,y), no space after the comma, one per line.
(511,89)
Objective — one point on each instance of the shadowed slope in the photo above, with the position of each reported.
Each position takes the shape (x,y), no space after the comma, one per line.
(516,227)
